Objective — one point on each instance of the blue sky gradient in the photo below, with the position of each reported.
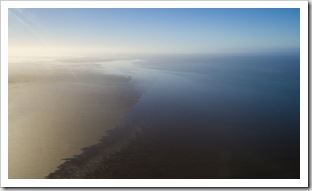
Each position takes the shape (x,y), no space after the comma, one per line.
(154,30)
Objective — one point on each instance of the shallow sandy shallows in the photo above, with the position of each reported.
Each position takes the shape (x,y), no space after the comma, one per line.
(55,110)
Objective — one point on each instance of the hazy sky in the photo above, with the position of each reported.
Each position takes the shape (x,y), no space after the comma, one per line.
(79,31)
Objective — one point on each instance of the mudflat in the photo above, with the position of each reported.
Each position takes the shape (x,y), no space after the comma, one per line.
(55,110)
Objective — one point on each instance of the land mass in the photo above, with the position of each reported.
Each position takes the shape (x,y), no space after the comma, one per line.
(55,110)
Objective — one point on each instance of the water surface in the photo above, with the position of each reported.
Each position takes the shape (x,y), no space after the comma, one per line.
(205,117)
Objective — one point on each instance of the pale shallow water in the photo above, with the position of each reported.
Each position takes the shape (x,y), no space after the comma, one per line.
(56,108)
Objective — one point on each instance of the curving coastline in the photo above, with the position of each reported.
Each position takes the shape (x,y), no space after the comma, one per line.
(57,109)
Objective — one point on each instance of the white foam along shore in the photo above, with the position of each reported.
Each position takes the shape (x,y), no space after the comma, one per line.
(55,109)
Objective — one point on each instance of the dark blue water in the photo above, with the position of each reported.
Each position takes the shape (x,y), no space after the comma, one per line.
(242,110)
(253,89)
(230,116)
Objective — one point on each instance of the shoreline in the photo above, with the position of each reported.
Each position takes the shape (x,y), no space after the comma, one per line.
(91,158)
(56,111)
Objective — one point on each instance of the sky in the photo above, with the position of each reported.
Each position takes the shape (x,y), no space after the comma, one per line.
(47,31)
